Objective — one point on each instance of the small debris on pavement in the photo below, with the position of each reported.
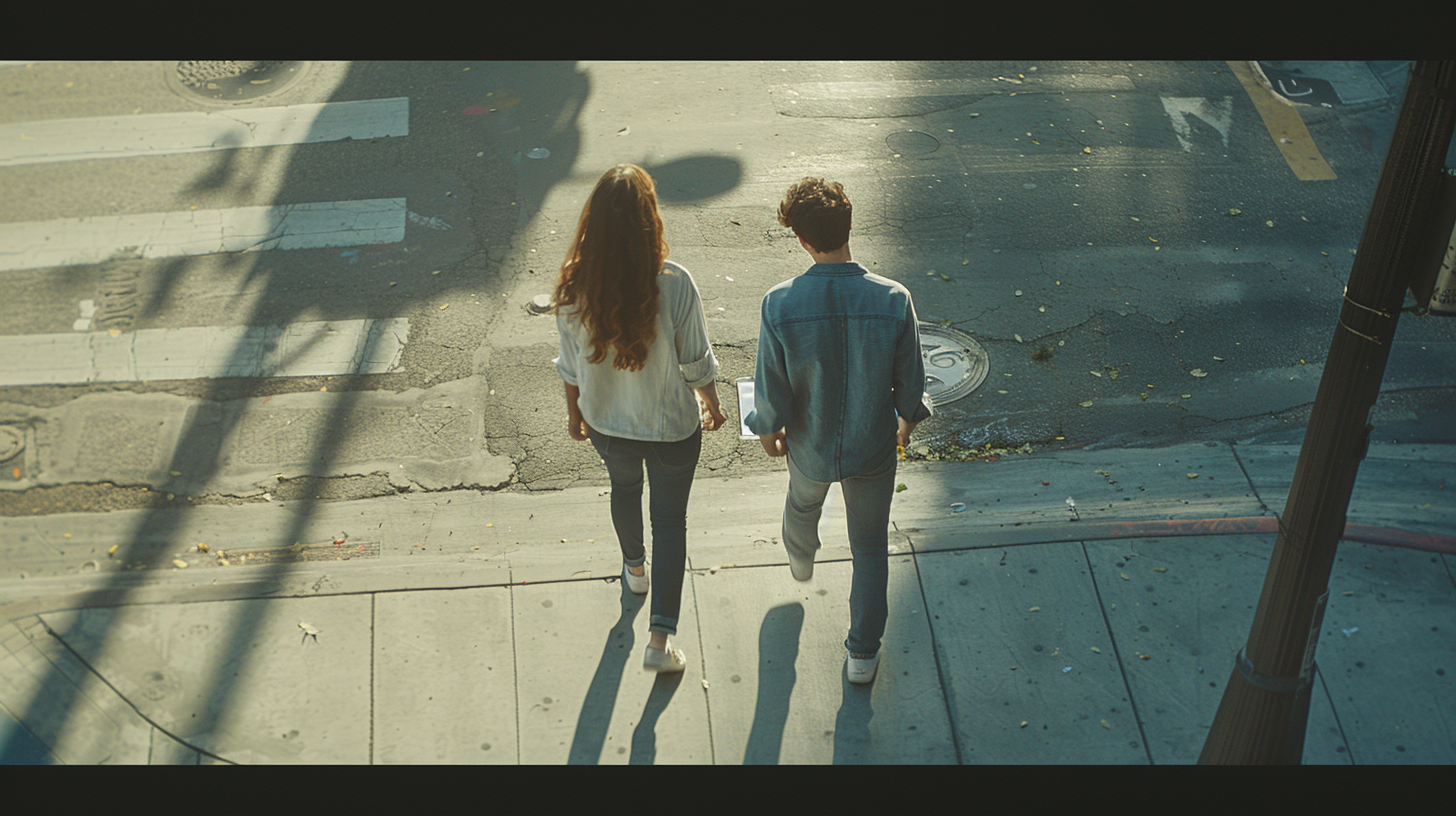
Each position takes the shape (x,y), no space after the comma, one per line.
(308,632)
(1350,631)
(958,507)
(179,564)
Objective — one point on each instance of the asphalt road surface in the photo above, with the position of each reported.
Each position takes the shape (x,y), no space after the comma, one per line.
(316,285)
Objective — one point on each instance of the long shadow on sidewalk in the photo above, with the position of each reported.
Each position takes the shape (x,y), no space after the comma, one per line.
(778,648)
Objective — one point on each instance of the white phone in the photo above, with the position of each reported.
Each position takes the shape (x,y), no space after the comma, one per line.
(745,406)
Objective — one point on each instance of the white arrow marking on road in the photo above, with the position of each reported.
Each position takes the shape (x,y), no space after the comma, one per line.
(153,134)
(1180,108)
(71,241)
(308,349)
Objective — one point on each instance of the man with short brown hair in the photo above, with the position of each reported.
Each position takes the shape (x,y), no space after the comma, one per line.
(839,383)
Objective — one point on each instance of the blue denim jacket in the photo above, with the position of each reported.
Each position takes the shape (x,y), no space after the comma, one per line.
(838,357)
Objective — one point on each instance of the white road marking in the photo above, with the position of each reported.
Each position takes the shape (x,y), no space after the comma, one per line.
(1180,108)
(71,241)
(307,349)
(1051,83)
(105,137)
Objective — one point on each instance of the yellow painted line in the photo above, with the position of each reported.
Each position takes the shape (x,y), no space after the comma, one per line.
(1284,125)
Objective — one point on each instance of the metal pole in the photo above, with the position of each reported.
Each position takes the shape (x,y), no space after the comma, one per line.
(1261,718)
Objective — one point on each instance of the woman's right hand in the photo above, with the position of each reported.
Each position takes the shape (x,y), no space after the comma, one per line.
(577,427)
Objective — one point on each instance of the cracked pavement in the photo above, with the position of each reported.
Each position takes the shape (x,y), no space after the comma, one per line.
(1103,250)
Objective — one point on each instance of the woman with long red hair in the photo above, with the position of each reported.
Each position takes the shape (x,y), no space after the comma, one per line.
(634,350)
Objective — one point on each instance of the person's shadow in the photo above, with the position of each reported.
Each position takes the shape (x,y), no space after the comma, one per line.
(778,648)
(644,737)
(852,725)
(601,696)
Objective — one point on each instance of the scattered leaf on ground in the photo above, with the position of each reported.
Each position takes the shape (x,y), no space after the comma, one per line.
(1193,475)
(900,488)
(1160,569)
(1034,609)
(1095,373)
(1124,576)
(179,564)
(1234,211)
(1097,650)
(1145,657)
(1198,372)
(1105,725)
(1087,404)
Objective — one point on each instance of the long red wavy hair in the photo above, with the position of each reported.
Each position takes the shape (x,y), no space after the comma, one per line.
(610,272)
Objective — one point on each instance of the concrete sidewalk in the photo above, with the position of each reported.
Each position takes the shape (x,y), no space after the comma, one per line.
(492,628)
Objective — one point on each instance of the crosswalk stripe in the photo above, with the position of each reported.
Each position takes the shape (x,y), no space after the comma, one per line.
(104,137)
(70,241)
(304,349)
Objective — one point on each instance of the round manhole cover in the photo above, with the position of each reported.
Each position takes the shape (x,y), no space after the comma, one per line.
(228,82)
(912,143)
(11,441)
(955,364)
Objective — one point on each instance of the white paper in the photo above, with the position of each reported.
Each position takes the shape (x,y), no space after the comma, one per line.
(745,407)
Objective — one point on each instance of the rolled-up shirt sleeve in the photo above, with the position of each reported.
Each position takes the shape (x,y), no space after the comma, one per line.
(695,355)
(909,378)
(570,352)
(773,395)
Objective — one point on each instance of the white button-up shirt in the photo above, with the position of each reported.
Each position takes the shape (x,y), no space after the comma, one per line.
(655,404)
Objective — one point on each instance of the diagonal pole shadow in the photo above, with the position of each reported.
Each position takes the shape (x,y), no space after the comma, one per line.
(282,300)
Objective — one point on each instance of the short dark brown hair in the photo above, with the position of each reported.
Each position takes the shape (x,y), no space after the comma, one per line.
(817,211)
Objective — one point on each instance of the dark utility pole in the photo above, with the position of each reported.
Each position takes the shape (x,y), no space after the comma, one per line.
(1265,706)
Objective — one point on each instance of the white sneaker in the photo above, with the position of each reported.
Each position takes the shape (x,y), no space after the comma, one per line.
(664,661)
(637,583)
(862,670)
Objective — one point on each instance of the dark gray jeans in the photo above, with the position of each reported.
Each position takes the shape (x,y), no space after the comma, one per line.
(670,468)
(867,510)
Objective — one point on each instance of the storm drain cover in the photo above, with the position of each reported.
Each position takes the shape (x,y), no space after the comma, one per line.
(955,364)
(912,143)
(11,441)
(234,81)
